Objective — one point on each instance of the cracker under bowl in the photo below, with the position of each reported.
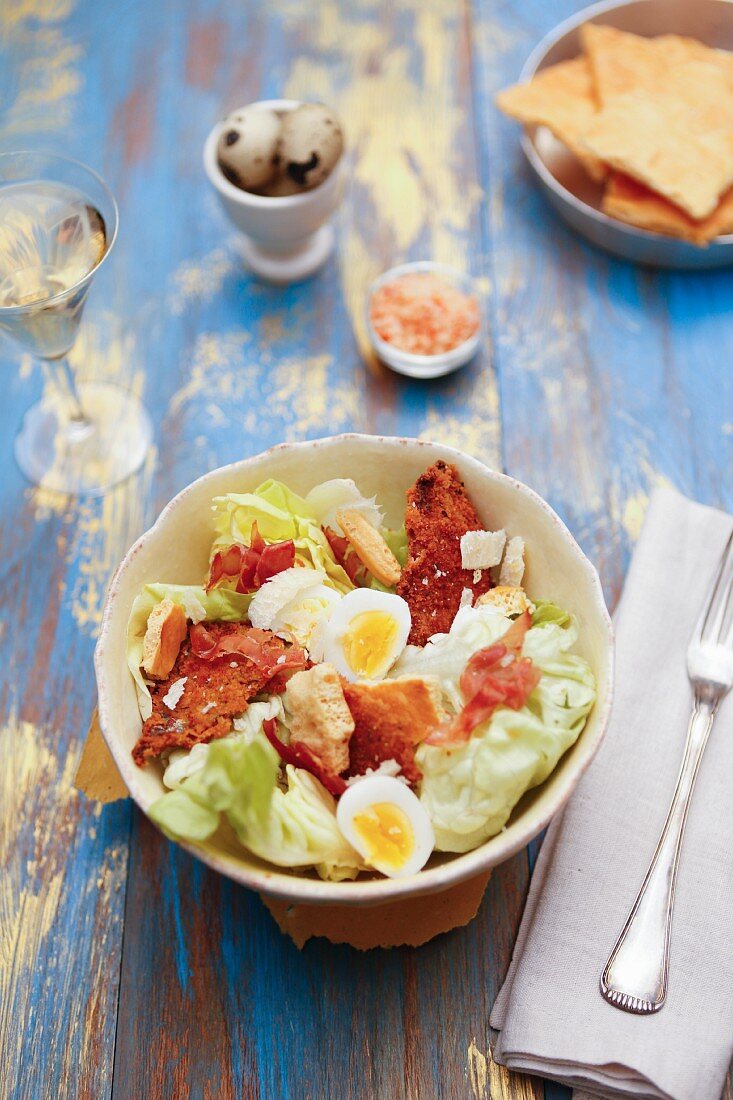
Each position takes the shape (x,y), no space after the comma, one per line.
(577,198)
(176,548)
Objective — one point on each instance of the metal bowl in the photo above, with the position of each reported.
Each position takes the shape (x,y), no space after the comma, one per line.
(572,193)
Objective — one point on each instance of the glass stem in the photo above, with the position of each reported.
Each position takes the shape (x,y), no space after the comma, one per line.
(66,382)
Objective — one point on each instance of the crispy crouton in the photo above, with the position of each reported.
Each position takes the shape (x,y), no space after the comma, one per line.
(439,512)
(165,631)
(319,717)
(482,549)
(512,567)
(369,546)
(509,599)
(391,718)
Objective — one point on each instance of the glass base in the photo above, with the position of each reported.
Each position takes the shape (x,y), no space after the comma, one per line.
(84,458)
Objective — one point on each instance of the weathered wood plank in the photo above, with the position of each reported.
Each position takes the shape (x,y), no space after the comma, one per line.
(63,864)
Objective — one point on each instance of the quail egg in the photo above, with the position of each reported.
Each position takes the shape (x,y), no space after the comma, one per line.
(311,143)
(248,147)
(387,824)
(366,633)
(280,187)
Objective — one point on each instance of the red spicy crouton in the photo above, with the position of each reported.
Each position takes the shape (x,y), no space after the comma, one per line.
(391,718)
(439,512)
(213,694)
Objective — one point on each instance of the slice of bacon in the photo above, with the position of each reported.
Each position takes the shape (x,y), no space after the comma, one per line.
(252,644)
(275,558)
(236,561)
(515,635)
(496,676)
(207,646)
(203,642)
(251,565)
(474,674)
(347,558)
(299,756)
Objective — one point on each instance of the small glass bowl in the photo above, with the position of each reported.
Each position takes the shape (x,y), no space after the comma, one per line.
(425,366)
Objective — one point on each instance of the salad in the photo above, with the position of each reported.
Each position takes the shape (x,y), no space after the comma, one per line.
(344,698)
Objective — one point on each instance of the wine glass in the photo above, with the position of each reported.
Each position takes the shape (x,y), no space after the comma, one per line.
(58,222)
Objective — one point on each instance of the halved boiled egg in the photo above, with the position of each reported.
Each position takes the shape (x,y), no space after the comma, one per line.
(366,633)
(387,824)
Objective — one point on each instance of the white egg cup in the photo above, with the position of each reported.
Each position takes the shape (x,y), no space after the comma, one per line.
(285,239)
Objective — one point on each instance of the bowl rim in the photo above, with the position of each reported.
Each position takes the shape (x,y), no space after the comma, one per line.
(412,364)
(299,888)
(249,198)
(530,67)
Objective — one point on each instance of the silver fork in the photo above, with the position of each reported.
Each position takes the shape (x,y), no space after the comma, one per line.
(635,978)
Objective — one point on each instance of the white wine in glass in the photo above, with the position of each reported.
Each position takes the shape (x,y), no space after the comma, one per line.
(58,222)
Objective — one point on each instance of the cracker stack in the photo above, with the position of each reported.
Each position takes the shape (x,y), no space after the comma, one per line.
(650,118)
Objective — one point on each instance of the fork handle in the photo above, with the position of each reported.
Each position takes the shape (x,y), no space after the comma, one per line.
(635,978)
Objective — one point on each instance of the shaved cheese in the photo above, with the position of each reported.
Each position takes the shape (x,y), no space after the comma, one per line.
(386,767)
(174,693)
(269,600)
(330,497)
(195,610)
(466,598)
(512,567)
(482,549)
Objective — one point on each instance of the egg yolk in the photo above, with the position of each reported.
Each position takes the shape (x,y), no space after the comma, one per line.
(387,834)
(368,642)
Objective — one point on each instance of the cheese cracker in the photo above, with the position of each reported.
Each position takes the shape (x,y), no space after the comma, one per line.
(679,142)
(635,204)
(622,62)
(561,98)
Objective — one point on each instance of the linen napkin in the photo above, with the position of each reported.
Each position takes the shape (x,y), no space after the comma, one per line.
(552,1018)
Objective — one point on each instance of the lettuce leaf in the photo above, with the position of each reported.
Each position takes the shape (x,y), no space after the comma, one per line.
(183,763)
(325,500)
(181,816)
(470,790)
(280,514)
(397,542)
(292,828)
(220,603)
(546,612)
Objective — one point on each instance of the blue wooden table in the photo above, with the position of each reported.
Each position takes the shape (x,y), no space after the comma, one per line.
(126,967)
